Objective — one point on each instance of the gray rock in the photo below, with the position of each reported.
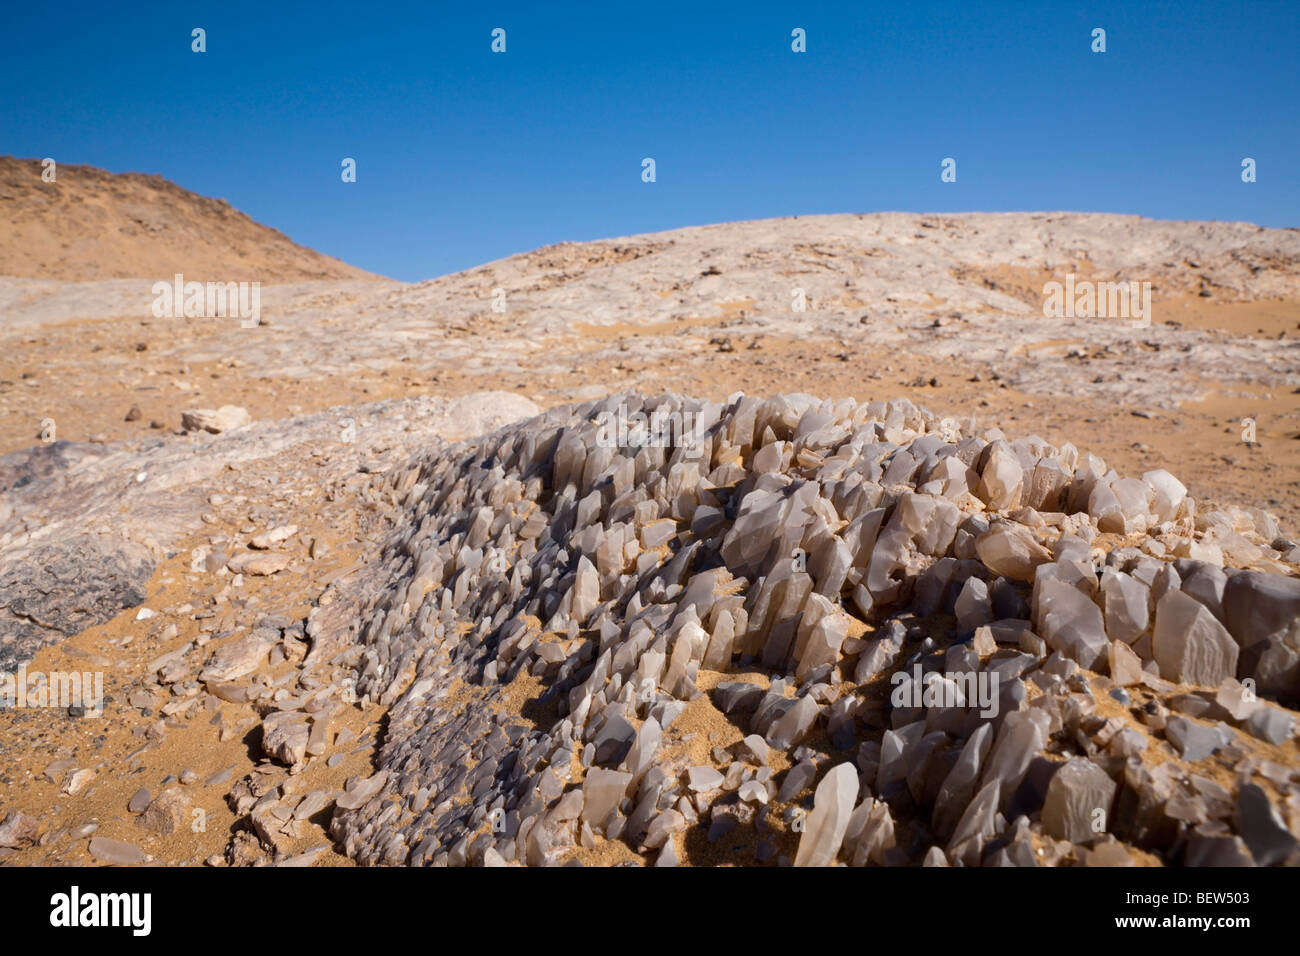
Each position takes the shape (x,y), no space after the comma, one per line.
(17,830)
(1190,646)
(1078,800)
(614,740)
(1261,826)
(240,657)
(58,590)
(1216,850)
(1273,724)
(106,850)
(1262,611)
(167,813)
(796,779)
(1194,741)
(736,698)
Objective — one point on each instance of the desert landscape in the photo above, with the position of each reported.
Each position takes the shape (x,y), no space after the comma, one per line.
(802,541)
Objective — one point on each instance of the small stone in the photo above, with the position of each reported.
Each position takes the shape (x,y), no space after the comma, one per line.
(260,565)
(240,657)
(140,802)
(793,725)
(602,792)
(224,419)
(77,781)
(1011,551)
(1194,741)
(753,749)
(1237,699)
(1272,724)
(277,535)
(115,851)
(662,829)
(220,777)
(284,737)
(362,791)
(1125,666)
(17,831)
(167,813)
(703,779)
(614,740)
(752,791)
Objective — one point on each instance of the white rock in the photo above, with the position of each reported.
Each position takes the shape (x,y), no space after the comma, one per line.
(269,539)
(224,419)
(1189,645)
(1167,494)
(1125,666)
(833,802)
(1071,623)
(1011,551)
(602,791)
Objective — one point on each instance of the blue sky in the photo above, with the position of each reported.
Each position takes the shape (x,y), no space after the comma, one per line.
(464,155)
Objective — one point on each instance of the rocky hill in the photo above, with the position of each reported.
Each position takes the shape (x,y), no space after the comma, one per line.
(91,224)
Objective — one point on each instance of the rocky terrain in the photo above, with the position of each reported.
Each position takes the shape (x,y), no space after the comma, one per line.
(375,581)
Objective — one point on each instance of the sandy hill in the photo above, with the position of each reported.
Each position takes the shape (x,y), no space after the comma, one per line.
(91,224)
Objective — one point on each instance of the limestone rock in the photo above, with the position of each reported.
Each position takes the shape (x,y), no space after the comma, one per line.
(224,419)
(285,735)
(262,564)
(273,537)
(240,657)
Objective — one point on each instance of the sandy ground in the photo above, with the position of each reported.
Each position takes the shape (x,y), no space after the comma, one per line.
(88,376)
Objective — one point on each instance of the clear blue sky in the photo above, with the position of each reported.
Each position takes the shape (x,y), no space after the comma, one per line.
(465,156)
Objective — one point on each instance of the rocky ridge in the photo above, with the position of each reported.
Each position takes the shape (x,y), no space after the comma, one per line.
(782,572)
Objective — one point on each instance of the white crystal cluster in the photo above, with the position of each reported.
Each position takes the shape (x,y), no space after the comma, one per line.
(826,545)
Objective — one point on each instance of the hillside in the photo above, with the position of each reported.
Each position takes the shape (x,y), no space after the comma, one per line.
(91,224)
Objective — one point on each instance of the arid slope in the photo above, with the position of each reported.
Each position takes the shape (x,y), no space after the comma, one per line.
(90,224)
